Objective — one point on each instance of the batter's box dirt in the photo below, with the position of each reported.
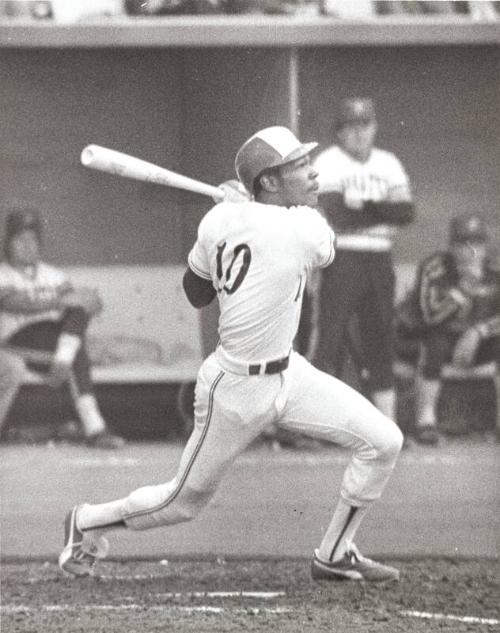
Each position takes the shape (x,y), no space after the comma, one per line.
(247,595)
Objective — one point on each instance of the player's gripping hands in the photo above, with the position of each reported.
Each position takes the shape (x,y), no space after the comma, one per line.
(234,191)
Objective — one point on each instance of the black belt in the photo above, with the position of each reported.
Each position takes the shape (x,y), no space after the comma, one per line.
(271,367)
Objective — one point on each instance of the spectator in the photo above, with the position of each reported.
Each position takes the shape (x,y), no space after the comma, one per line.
(44,319)
(453,313)
(365,194)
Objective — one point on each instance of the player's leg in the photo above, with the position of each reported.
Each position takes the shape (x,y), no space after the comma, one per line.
(230,412)
(11,374)
(376,331)
(70,340)
(321,406)
(71,363)
(64,339)
(437,350)
(94,426)
(340,289)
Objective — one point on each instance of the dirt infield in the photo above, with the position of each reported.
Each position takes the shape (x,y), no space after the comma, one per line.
(245,595)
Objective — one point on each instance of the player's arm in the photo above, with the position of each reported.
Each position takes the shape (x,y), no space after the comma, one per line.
(438,299)
(344,217)
(370,214)
(199,291)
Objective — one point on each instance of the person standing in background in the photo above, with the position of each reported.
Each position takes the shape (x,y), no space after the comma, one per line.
(365,195)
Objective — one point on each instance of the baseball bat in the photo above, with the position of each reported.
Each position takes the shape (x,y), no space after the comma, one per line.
(120,164)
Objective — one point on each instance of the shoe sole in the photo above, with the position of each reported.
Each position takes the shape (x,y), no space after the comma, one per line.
(319,573)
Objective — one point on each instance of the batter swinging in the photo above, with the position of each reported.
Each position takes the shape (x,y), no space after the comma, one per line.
(255,255)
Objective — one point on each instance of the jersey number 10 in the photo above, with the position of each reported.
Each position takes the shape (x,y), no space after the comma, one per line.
(224,277)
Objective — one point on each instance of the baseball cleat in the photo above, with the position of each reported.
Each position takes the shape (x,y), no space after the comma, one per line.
(352,566)
(80,552)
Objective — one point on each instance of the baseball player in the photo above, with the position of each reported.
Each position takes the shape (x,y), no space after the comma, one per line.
(43,319)
(365,194)
(254,256)
(454,313)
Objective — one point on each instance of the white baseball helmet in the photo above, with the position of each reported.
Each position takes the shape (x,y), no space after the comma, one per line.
(271,147)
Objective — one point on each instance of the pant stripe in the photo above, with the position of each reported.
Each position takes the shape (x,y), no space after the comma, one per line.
(182,481)
(350,517)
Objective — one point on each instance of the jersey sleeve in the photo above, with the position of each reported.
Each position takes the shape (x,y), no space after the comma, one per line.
(318,236)
(198,259)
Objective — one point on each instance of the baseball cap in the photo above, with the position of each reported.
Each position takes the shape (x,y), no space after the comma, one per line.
(468,228)
(355,110)
(271,147)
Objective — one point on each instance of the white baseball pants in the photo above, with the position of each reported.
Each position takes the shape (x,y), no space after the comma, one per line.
(232,409)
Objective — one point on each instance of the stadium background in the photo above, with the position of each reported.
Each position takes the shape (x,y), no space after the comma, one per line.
(189,108)
(187,101)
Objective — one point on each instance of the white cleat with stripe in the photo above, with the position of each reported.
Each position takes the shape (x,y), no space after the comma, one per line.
(80,551)
(352,566)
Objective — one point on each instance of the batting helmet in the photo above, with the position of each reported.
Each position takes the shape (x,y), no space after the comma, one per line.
(355,110)
(19,220)
(271,147)
(468,228)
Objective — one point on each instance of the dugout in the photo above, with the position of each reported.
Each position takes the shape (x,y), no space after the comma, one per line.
(185,92)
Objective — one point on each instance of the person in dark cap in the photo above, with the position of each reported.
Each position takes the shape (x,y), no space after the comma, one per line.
(453,312)
(43,319)
(365,195)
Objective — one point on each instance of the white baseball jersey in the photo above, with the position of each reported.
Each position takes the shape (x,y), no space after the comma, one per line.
(381,178)
(41,281)
(257,257)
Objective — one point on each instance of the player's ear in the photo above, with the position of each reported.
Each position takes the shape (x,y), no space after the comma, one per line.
(269,182)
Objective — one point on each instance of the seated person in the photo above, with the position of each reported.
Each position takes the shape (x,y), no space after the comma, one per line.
(43,319)
(452,316)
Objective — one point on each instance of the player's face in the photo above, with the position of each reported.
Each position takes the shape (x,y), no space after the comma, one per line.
(24,249)
(358,138)
(298,183)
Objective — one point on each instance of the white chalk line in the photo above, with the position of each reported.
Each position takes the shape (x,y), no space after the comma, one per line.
(64,608)
(262,595)
(469,619)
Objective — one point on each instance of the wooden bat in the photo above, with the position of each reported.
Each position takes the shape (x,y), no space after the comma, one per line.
(120,164)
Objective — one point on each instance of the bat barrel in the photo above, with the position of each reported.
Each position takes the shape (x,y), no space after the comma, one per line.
(120,164)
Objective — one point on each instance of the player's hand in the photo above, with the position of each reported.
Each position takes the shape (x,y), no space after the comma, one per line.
(234,191)
(86,298)
(466,348)
(353,199)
